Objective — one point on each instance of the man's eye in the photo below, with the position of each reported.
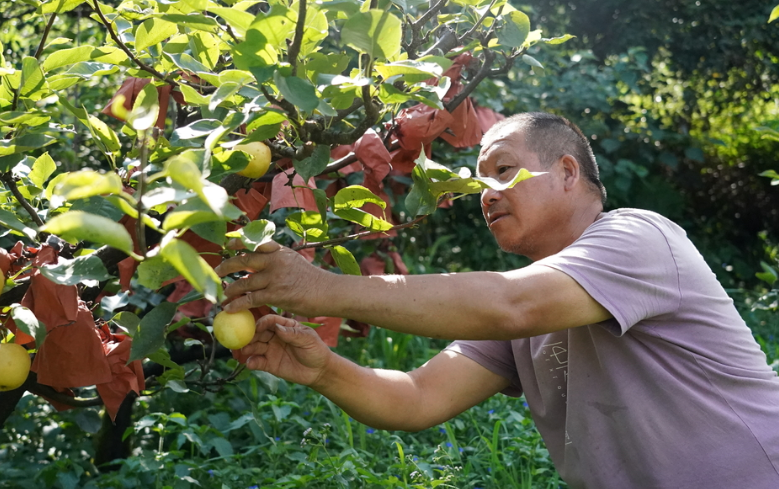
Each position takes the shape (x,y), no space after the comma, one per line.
(502,170)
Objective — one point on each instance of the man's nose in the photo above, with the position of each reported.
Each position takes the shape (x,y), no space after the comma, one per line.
(490,196)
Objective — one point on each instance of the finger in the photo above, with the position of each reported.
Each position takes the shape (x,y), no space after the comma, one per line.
(298,336)
(255,281)
(245,302)
(269,322)
(253,349)
(257,363)
(269,247)
(249,262)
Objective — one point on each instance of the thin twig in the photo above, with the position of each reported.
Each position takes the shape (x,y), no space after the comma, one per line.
(140,232)
(115,37)
(478,22)
(343,239)
(294,48)
(11,184)
(46,31)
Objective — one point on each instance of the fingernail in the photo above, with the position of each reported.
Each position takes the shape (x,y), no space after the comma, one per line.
(282,328)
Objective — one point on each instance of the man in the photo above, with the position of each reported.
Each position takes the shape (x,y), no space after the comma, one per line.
(636,367)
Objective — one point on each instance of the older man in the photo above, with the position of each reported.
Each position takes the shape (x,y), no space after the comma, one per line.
(636,367)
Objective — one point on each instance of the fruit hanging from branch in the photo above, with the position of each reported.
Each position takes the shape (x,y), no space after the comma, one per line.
(14,366)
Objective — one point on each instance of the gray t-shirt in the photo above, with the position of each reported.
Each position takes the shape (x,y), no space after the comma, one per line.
(673,392)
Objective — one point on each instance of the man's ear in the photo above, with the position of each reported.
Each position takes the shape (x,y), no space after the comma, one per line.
(571,171)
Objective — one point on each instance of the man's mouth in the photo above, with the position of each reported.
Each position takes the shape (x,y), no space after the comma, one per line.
(493,217)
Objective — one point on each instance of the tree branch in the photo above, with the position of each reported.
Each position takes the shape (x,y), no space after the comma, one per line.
(483,72)
(123,47)
(8,179)
(46,391)
(294,48)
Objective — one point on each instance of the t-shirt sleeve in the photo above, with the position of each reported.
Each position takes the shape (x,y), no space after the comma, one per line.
(495,356)
(627,265)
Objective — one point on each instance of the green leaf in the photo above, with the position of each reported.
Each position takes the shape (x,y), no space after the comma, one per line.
(79,270)
(515,28)
(10,221)
(145,110)
(314,164)
(42,169)
(187,63)
(345,260)
(420,201)
(308,224)
(558,40)
(214,231)
(255,234)
(237,19)
(421,69)
(105,134)
(297,90)
(152,32)
(65,57)
(192,96)
(255,52)
(376,32)
(182,170)
(127,321)
(75,226)
(277,25)
(364,219)
(83,184)
(222,93)
(33,80)
(187,219)
(27,322)
(774,14)
(193,21)
(59,6)
(24,143)
(192,267)
(150,335)
(538,68)
(28,118)
(356,196)
(153,272)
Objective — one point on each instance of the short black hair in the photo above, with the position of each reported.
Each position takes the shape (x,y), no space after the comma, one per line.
(551,137)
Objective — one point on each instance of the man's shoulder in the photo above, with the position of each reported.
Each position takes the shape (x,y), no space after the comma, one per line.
(631,220)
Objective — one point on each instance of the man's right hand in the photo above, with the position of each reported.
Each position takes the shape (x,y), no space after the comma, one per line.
(287,349)
(279,276)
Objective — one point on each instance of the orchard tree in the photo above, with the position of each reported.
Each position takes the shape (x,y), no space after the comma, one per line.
(309,123)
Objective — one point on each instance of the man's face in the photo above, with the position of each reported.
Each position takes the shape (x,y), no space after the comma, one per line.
(521,217)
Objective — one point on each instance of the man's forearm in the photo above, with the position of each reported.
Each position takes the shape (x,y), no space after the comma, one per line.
(383,399)
(453,306)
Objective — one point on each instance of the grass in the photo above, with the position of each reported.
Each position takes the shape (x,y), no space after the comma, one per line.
(265,433)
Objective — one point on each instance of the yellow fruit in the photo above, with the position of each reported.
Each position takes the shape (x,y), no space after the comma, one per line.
(259,161)
(14,366)
(234,331)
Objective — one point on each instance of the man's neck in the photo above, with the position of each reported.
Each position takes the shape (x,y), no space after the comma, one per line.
(580,219)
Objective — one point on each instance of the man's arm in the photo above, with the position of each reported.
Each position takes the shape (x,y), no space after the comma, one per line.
(437,391)
(387,399)
(475,305)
